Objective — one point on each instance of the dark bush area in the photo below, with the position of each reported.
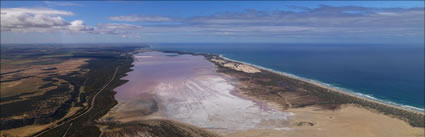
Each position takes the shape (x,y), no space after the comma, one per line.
(102,65)
(101,71)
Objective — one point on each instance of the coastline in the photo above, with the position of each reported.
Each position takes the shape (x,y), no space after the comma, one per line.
(312,81)
(313,115)
(339,96)
(412,116)
(333,88)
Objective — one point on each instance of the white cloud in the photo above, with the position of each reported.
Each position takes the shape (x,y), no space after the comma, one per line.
(38,11)
(324,21)
(50,20)
(33,19)
(141,18)
(53,3)
(122,30)
(78,26)
(117,29)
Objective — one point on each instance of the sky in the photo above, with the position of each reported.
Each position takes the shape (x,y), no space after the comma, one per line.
(394,22)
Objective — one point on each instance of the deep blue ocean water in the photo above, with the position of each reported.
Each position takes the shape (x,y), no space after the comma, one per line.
(393,73)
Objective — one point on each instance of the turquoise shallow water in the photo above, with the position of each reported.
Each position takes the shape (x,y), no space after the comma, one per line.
(392,73)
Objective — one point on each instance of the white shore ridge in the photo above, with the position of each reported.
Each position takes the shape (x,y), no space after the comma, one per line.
(334,88)
(239,67)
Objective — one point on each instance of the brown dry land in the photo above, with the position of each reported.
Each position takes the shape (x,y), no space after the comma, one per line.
(59,90)
(21,80)
(347,121)
(154,128)
(31,76)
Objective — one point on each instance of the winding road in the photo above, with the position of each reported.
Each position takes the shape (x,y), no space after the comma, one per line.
(85,112)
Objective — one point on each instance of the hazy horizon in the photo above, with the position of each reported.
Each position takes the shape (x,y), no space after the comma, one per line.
(212,22)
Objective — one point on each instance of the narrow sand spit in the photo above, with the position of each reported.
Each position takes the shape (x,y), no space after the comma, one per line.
(315,119)
(187,88)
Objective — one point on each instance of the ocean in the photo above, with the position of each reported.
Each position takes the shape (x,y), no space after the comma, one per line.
(390,73)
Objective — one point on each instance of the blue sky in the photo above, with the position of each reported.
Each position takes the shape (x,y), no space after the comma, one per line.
(212,21)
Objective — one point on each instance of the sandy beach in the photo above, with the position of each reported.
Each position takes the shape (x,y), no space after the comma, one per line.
(351,120)
(348,121)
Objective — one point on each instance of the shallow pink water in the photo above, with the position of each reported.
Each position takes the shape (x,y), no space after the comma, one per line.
(152,68)
(187,88)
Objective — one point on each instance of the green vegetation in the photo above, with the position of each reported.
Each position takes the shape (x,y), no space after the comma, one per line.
(102,69)
(93,76)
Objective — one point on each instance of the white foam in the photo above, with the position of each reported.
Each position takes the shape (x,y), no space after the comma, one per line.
(330,86)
